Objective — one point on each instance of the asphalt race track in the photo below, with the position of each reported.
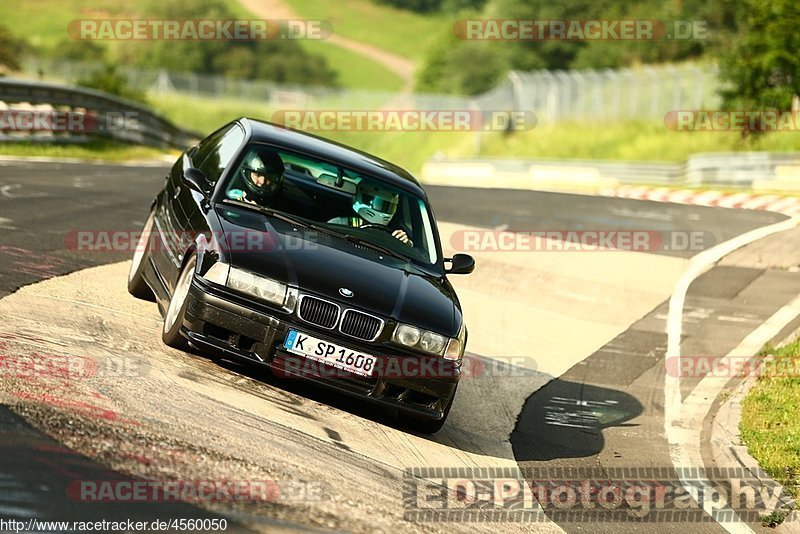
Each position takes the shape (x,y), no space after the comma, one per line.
(567,349)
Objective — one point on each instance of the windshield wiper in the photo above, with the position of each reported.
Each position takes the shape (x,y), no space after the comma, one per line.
(380,248)
(293,220)
(277,214)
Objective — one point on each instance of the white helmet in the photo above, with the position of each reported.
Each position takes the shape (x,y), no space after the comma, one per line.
(375,204)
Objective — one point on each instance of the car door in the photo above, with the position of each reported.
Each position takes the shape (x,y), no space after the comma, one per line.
(171,220)
(166,223)
(214,164)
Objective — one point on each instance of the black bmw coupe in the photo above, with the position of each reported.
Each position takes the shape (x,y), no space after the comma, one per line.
(322,262)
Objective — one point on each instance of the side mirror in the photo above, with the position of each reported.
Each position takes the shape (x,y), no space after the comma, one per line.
(461,264)
(196,179)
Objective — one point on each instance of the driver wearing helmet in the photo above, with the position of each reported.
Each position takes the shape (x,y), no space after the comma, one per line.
(375,206)
(259,178)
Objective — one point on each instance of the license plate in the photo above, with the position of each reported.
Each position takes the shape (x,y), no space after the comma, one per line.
(329,353)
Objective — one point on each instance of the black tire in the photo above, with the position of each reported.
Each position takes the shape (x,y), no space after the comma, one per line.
(136,284)
(426,426)
(176,311)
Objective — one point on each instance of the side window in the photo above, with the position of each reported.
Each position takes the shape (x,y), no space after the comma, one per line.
(405,213)
(214,160)
(427,244)
(206,146)
(177,167)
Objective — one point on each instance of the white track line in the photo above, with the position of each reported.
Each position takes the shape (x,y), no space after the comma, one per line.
(683,432)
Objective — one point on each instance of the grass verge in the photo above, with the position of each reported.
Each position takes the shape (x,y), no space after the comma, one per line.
(204,114)
(770,425)
(93,150)
(407,149)
(640,140)
(633,141)
(627,141)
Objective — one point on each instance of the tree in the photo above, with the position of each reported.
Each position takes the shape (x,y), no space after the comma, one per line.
(420,6)
(11,49)
(282,61)
(553,54)
(84,51)
(547,54)
(109,80)
(462,67)
(761,66)
(432,6)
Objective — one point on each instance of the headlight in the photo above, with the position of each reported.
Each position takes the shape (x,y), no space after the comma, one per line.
(416,338)
(407,335)
(433,343)
(261,287)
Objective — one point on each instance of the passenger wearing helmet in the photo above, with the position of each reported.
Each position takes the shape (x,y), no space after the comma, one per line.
(259,177)
(377,206)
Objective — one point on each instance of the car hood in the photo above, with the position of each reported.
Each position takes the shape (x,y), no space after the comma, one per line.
(321,264)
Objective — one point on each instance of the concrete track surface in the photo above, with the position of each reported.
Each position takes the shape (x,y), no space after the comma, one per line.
(133,408)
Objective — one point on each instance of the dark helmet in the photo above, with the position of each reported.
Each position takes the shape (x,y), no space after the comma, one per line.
(263,163)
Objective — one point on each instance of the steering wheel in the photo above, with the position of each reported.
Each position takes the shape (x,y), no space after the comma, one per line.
(378,226)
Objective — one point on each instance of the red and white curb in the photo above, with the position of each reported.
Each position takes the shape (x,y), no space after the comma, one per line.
(749,201)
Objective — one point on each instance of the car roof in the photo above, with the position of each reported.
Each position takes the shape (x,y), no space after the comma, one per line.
(278,135)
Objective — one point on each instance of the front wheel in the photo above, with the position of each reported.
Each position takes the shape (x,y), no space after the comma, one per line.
(136,284)
(173,319)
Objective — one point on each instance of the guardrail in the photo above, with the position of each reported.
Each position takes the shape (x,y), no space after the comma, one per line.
(758,171)
(44,112)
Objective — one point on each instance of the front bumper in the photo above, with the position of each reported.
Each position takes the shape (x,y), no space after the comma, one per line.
(214,321)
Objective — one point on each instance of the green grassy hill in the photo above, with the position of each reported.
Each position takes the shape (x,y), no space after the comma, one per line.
(401,32)
(43,23)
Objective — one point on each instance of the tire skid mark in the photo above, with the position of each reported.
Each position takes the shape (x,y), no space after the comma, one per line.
(81,408)
(51,379)
(291,404)
(32,263)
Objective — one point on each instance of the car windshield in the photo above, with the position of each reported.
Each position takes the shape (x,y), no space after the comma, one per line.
(362,208)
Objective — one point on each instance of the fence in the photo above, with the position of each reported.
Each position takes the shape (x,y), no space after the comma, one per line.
(646,93)
(614,95)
